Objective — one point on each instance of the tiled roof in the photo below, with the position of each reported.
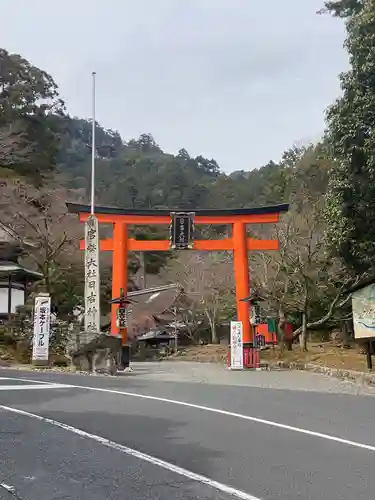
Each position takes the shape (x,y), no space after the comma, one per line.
(148,306)
(18,271)
(79,208)
(151,304)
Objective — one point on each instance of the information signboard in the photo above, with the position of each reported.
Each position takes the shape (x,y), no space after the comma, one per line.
(42,313)
(236,345)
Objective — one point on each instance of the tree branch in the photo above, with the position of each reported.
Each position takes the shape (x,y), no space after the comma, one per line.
(334,305)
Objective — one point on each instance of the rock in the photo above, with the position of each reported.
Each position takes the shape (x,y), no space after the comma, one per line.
(6,357)
(100,355)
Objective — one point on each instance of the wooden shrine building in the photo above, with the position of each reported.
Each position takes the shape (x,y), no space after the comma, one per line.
(14,278)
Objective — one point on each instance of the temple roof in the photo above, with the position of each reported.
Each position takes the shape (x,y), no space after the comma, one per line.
(148,305)
(153,301)
(272,209)
(156,335)
(18,272)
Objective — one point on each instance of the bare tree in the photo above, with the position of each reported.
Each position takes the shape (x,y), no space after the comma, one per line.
(300,278)
(305,258)
(270,274)
(190,314)
(207,279)
(40,216)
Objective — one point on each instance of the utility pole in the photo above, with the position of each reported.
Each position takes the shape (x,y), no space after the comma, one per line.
(92,274)
(93,144)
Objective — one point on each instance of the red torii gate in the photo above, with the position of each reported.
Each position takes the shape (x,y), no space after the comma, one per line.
(120,243)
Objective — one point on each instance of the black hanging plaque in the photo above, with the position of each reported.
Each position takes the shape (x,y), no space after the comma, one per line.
(122,317)
(181,230)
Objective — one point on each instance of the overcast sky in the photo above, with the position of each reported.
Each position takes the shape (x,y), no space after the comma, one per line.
(236,80)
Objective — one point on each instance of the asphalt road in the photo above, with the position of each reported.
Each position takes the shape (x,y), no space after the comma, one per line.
(159,449)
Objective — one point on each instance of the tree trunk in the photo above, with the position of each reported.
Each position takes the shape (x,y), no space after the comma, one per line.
(303,336)
(214,337)
(281,330)
(212,323)
(345,333)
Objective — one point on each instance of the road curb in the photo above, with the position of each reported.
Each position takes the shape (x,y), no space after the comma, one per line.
(343,374)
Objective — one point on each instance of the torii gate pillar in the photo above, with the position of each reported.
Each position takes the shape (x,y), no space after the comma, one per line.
(119,267)
(241,275)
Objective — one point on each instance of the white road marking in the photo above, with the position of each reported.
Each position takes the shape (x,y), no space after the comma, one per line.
(241,416)
(26,380)
(138,454)
(7,487)
(29,387)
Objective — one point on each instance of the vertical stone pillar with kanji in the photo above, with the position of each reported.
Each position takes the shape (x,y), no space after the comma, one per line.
(92,276)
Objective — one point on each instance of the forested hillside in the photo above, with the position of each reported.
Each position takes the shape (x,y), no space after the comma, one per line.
(139,174)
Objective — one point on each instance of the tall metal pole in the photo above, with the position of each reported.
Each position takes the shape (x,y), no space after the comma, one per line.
(92,266)
(93,144)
